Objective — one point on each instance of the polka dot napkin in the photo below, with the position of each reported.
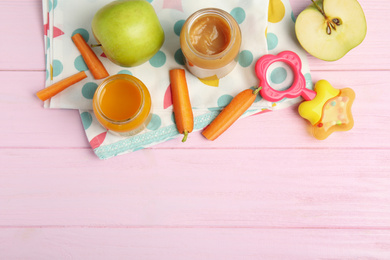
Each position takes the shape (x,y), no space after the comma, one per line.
(267,27)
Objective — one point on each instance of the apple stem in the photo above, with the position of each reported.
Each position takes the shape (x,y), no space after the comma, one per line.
(331,24)
(95,45)
(319,9)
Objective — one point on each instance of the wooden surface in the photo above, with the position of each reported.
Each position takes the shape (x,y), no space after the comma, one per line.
(265,190)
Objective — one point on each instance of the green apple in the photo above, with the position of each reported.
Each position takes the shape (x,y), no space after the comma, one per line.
(328,29)
(128,31)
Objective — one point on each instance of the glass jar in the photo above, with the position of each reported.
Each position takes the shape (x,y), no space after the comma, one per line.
(210,40)
(122,104)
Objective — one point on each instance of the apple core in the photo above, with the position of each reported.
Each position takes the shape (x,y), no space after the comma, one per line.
(329,29)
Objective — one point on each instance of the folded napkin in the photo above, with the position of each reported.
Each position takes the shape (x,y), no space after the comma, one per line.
(267,26)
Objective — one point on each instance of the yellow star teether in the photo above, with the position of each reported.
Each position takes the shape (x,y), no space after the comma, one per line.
(329,111)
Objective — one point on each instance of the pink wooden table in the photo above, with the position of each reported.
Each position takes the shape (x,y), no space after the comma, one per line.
(266,190)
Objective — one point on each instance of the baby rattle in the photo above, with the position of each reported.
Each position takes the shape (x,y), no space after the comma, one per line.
(327,109)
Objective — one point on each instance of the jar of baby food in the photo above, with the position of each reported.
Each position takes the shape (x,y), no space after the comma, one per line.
(122,104)
(210,40)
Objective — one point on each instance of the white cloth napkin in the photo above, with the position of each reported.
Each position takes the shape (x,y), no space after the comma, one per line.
(66,17)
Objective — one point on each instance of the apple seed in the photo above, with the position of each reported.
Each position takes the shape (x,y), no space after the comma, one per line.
(336,21)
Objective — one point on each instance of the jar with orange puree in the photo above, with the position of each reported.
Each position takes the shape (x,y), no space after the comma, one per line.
(122,104)
(210,41)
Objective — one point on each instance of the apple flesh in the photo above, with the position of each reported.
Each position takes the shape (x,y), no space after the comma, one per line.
(128,31)
(329,29)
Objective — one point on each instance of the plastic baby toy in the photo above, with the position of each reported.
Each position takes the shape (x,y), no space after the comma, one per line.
(327,109)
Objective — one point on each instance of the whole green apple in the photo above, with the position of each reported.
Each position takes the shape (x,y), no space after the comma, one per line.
(128,31)
(329,29)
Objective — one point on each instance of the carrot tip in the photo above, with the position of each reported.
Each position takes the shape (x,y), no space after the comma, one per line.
(257,90)
(185,136)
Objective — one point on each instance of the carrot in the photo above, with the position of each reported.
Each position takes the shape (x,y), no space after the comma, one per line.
(56,88)
(94,64)
(181,102)
(230,113)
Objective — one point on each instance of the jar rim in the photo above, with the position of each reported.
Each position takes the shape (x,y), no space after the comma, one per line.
(102,86)
(213,11)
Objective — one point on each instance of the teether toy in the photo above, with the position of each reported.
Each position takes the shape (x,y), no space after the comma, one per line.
(327,109)
(298,88)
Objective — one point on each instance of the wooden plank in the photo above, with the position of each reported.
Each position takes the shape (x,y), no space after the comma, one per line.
(190,243)
(330,188)
(29,125)
(26,123)
(21,27)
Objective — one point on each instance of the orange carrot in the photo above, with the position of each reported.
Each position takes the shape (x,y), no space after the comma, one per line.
(94,64)
(230,113)
(181,102)
(56,88)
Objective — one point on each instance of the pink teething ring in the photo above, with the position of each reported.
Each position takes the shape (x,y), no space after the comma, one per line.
(298,88)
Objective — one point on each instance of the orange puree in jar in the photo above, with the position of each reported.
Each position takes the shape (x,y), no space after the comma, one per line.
(122,104)
(114,99)
(210,41)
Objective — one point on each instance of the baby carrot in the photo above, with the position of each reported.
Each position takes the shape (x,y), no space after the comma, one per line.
(94,64)
(181,102)
(56,88)
(230,113)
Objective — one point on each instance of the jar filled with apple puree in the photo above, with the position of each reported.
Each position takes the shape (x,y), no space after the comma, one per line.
(122,104)
(210,40)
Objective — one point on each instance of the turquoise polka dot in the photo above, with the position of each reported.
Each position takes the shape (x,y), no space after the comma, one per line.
(150,1)
(177,27)
(79,64)
(86,118)
(239,14)
(179,58)
(158,59)
(89,89)
(154,123)
(224,100)
(57,68)
(52,5)
(272,41)
(83,33)
(245,58)
(258,97)
(125,72)
(278,75)
(309,82)
(47,74)
(293,17)
(48,43)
